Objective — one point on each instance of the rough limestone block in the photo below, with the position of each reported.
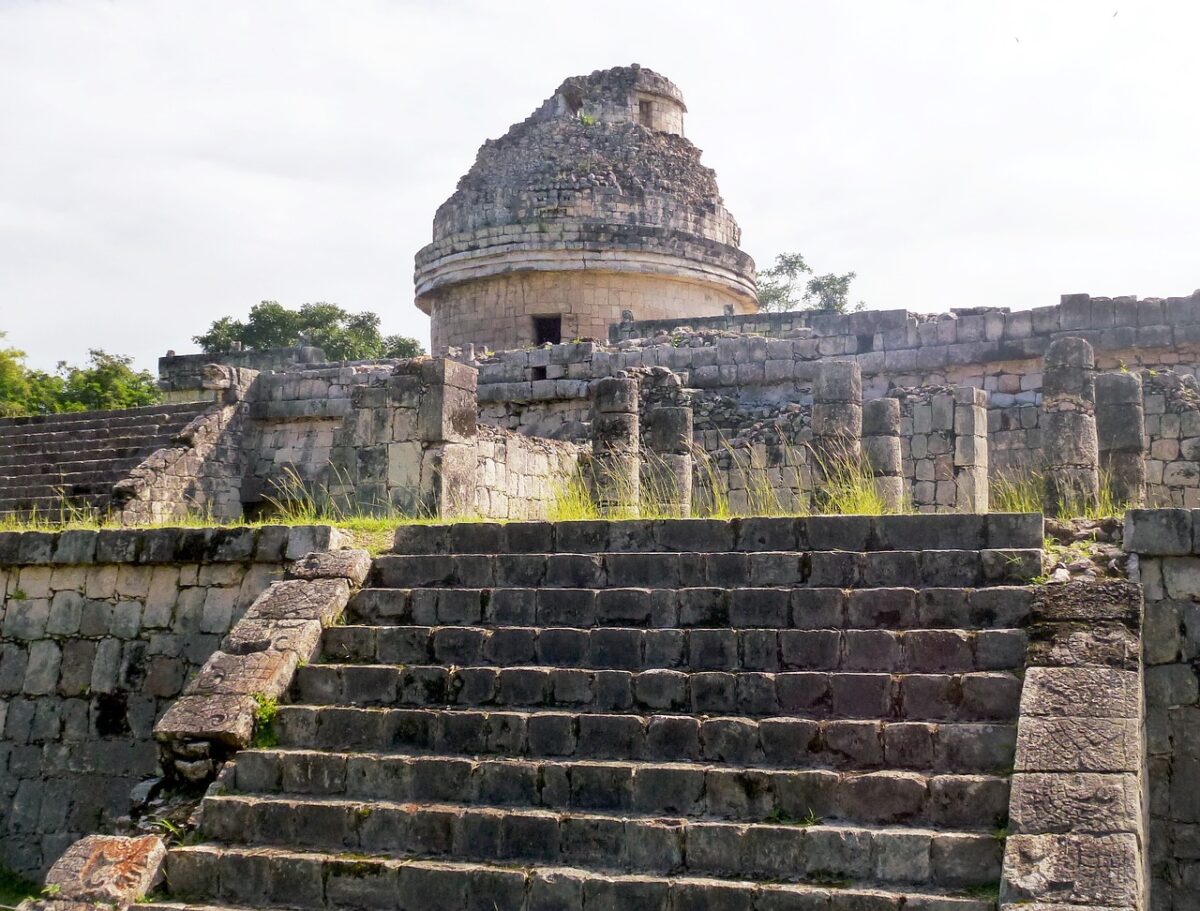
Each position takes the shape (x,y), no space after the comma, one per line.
(352,565)
(1084,803)
(1158,532)
(108,868)
(1088,601)
(302,599)
(1073,869)
(1081,692)
(1078,745)
(266,673)
(306,539)
(226,719)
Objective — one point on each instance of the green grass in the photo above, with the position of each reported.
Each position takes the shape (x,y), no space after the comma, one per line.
(1021,491)
(847,487)
(14,888)
(265,735)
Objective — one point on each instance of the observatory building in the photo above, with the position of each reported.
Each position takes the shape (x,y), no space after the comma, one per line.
(595,208)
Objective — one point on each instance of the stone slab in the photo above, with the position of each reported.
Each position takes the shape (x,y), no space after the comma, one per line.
(108,868)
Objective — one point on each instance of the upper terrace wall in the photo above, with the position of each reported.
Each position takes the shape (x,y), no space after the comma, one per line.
(749,358)
(181,376)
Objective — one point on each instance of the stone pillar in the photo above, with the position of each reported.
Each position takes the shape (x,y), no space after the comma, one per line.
(616,468)
(666,472)
(408,443)
(1121,435)
(1072,480)
(881,448)
(970,449)
(836,420)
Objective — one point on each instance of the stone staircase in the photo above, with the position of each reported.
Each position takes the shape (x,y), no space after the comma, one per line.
(53,465)
(769,714)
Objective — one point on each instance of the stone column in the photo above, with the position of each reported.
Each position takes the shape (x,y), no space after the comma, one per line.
(836,420)
(408,443)
(1072,480)
(881,448)
(616,468)
(667,463)
(970,449)
(1121,435)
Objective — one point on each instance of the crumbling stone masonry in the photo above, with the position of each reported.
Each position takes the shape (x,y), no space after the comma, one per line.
(99,634)
(1168,566)
(1077,826)
(1072,479)
(1121,436)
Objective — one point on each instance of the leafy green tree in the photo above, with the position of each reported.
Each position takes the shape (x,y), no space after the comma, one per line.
(791,284)
(342,335)
(14,382)
(107,381)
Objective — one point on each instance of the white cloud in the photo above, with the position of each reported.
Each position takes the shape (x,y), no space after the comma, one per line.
(162,165)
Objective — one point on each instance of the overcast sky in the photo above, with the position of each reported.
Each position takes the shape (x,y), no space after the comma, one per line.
(163,164)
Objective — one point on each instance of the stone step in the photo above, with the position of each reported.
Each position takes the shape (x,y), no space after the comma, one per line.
(842,569)
(737,605)
(691,790)
(925,651)
(74,447)
(87,435)
(261,878)
(32,463)
(112,415)
(971,697)
(626,843)
(76,480)
(55,508)
(46,490)
(848,533)
(792,743)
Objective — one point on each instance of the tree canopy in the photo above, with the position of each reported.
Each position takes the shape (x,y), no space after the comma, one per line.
(106,381)
(791,284)
(342,335)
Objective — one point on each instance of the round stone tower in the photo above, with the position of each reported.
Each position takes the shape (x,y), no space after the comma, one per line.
(593,206)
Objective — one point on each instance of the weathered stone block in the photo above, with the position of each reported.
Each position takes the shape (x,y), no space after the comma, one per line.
(351,565)
(1073,869)
(1158,532)
(108,869)
(226,719)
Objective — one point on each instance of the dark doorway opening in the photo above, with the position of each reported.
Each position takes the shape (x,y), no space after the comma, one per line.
(547,330)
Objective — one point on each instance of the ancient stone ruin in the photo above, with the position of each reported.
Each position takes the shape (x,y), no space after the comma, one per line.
(721,689)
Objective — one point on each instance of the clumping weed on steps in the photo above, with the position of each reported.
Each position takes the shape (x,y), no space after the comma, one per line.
(847,487)
(265,735)
(1022,491)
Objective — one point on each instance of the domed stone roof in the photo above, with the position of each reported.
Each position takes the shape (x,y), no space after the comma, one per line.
(599,177)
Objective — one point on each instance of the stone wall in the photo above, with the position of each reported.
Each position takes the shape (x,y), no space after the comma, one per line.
(943,445)
(99,631)
(1171,400)
(297,415)
(181,376)
(1167,546)
(498,312)
(521,477)
(203,470)
(994,349)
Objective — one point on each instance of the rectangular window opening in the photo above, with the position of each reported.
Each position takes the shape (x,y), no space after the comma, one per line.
(547,330)
(645,112)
